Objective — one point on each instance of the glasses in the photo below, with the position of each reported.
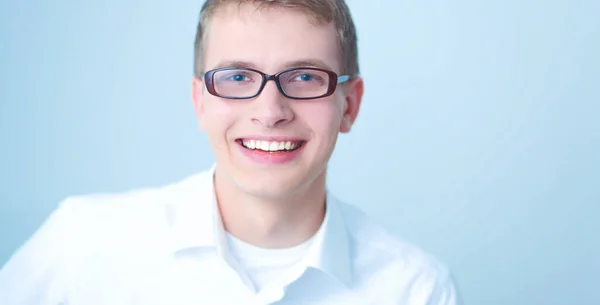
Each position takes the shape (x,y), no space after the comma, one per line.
(295,83)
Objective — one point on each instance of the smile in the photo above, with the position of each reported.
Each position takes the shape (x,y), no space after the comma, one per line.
(271,146)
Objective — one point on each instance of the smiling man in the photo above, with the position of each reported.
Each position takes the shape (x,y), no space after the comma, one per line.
(275,83)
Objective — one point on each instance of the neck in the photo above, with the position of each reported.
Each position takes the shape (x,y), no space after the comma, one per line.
(271,223)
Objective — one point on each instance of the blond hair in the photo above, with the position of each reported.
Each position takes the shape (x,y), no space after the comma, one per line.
(319,11)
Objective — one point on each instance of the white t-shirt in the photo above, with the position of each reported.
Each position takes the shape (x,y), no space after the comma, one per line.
(264,266)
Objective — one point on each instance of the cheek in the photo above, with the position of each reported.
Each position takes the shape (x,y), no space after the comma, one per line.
(324,118)
(219,117)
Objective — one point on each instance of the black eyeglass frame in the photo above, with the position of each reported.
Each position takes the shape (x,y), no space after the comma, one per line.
(334,80)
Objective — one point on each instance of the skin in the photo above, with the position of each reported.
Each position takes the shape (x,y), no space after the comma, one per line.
(272,205)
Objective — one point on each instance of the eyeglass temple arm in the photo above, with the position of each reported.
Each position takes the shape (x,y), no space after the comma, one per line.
(343,78)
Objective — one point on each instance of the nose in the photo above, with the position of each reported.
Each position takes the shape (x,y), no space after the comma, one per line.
(271,108)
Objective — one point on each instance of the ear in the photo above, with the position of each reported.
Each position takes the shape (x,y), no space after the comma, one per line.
(353,99)
(197,90)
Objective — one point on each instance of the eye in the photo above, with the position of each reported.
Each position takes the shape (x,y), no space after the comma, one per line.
(305,77)
(238,77)
(234,77)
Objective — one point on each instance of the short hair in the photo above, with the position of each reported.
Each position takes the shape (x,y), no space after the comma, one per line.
(319,11)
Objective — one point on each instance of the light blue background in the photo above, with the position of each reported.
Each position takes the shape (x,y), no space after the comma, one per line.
(478,137)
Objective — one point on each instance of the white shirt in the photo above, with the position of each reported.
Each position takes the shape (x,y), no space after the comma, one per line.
(268,266)
(167,246)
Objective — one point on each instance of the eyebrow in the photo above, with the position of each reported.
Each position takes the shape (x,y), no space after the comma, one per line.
(313,63)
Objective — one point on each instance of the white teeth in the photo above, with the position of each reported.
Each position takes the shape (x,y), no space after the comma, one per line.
(270,146)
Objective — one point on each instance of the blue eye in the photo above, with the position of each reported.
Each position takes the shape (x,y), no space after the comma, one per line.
(306,77)
(238,78)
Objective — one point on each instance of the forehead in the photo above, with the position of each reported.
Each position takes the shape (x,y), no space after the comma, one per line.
(268,38)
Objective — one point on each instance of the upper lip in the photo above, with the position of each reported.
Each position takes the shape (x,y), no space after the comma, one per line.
(272,138)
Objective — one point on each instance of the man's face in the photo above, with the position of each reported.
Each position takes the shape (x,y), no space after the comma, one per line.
(299,135)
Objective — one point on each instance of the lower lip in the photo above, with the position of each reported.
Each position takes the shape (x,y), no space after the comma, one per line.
(264,157)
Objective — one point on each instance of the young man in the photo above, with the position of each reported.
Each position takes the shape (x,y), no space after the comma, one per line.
(275,83)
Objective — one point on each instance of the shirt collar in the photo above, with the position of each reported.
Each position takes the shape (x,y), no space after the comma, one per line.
(330,252)
(196,223)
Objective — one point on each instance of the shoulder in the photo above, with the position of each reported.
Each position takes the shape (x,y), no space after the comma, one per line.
(89,238)
(135,204)
(93,224)
(394,263)
(374,237)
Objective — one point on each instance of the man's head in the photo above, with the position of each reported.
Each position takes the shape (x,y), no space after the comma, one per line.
(272,139)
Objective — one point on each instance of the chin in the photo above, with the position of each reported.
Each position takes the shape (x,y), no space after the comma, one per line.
(278,184)
(271,188)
